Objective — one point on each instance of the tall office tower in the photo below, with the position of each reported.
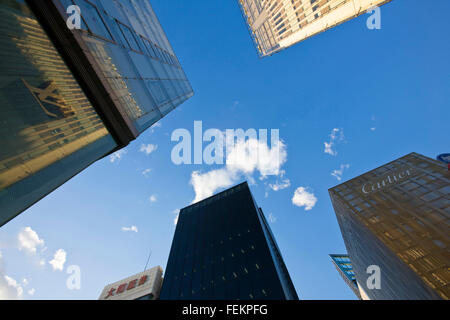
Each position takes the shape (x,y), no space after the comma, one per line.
(223,248)
(395,224)
(142,286)
(344,266)
(275,25)
(71,96)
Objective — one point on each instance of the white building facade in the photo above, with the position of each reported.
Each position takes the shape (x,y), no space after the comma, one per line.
(142,286)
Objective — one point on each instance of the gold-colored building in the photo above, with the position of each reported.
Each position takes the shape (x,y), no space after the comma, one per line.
(278,24)
(397,218)
(49,128)
(72,96)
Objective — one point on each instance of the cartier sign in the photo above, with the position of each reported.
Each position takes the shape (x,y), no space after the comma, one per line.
(387,181)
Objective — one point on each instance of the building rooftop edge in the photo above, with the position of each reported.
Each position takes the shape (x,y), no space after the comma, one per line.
(214,196)
(367,172)
(135,274)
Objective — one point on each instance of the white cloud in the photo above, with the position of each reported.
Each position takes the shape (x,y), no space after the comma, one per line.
(58,260)
(132,228)
(303,198)
(155,125)
(207,183)
(286,183)
(146,172)
(328,149)
(7,292)
(42,262)
(272,218)
(153,198)
(117,156)
(244,159)
(373,119)
(148,148)
(31,292)
(10,289)
(29,240)
(338,173)
(336,136)
(177,214)
(25,282)
(255,155)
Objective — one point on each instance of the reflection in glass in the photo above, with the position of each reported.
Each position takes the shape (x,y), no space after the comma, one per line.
(49,130)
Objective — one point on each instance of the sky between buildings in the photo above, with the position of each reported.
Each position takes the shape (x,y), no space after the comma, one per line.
(371,95)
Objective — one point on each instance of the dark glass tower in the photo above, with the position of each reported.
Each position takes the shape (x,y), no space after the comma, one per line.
(69,97)
(223,248)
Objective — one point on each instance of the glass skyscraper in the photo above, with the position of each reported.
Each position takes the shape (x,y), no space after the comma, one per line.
(69,97)
(276,25)
(223,248)
(397,218)
(344,266)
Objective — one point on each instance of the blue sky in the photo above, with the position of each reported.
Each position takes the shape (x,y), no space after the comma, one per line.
(386,91)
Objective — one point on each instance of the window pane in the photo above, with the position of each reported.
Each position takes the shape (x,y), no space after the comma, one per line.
(92,17)
(130,37)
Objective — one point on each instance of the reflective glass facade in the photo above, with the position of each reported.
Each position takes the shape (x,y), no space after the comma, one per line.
(344,267)
(223,249)
(397,217)
(69,97)
(50,131)
(129,47)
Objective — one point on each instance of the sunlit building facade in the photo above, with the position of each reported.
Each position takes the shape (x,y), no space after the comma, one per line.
(69,97)
(397,218)
(223,249)
(275,25)
(344,266)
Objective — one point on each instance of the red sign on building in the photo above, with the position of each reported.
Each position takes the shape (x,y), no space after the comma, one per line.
(127,286)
